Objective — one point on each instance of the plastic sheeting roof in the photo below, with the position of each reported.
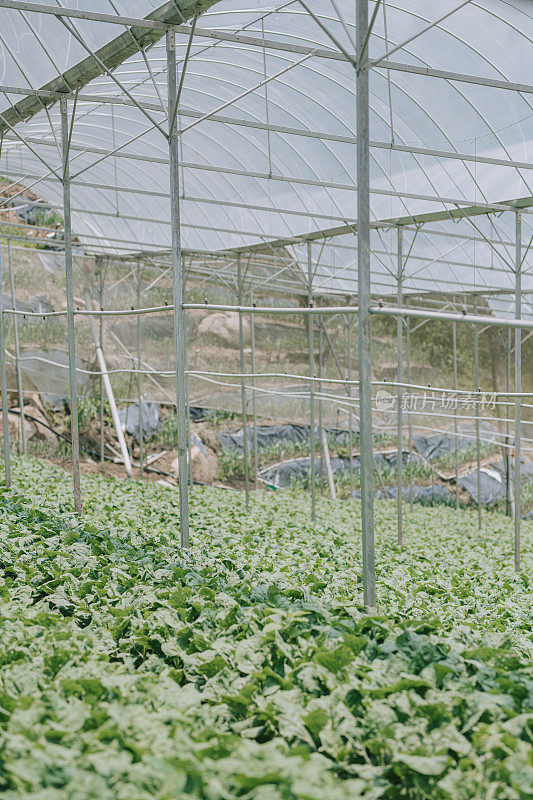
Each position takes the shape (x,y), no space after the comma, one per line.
(242,184)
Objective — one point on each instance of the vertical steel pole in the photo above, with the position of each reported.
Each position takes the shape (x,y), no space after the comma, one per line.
(187,385)
(189,438)
(101,343)
(139,377)
(17,349)
(365,340)
(477,408)
(243,387)
(320,419)
(3,389)
(518,389)
(508,427)
(254,410)
(350,410)
(311,347)
(455,421)
(409,410)
(70,310)
(399,412)
(188,414)
(177,291)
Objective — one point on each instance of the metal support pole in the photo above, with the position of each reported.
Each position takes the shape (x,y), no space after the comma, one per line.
(518,389)
(350,410)
(409,410)
(190,470)
(17,350)
(177,291)
(189,438)
(477,409)
(507,459)
(139,377)
(3,389)
(399,411)
(187,393)
(74,433)
(101,345)
(254,410)
(327,461)
(311,347)
(109,392)
(243,387)
(365,340)
(455,421)
(320,420)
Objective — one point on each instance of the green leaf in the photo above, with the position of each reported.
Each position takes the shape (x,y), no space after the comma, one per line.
(424,765)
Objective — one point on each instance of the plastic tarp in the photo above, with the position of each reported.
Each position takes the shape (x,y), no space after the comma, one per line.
(283,474)
(268,435)
(151,419)
(197,413)
(492,481)
(436,445)
(492,485)
(435,494)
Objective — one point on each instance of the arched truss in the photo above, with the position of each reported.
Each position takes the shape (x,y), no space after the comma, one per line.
(267,130)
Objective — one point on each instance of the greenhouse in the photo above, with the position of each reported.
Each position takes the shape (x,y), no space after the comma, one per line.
(266,377)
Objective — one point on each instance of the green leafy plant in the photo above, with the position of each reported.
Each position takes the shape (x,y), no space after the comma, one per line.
(247,666)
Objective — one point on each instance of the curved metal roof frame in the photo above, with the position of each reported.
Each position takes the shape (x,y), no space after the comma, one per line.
(267,128)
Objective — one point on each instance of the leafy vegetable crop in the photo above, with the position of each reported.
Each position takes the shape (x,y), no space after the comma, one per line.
(247,668)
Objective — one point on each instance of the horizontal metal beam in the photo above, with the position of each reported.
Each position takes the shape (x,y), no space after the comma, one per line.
(282,129)
(141,33)
(268,176)
(336,55)
(343,274)
(254,207)
(455,214)
(94,16)
(446,316)
(394,311)
(456,77)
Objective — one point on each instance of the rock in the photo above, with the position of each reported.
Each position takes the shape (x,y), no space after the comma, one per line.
(41,304)
(163,482)
(154,328)
(224,326)
(15,436)
(204,464)
(208,436)
(43,431)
